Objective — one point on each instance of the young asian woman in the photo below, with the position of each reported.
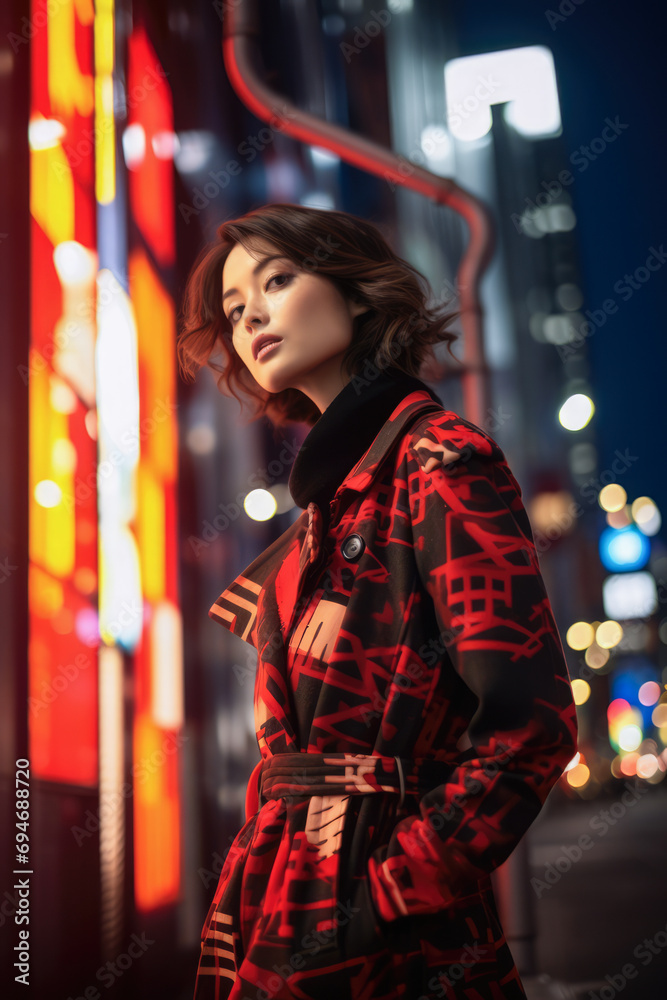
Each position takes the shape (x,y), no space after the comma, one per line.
(412,702)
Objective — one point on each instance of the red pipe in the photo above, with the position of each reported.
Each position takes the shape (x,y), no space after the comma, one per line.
(240,48)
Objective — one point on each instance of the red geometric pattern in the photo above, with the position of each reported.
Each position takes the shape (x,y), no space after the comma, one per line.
(428,635)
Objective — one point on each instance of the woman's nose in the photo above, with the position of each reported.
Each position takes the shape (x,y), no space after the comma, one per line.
(254,314)
(253,318)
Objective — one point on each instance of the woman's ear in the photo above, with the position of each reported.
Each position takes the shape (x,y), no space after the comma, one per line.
(358,308)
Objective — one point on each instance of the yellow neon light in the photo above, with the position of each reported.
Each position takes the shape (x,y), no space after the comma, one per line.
(52,193)
(70,90)
(105,140)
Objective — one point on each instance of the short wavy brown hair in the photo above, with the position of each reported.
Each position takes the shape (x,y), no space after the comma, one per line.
(399,328)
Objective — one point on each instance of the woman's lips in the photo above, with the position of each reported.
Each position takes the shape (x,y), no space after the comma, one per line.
(267,348)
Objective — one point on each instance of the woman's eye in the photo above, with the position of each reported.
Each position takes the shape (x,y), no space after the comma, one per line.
(268,282)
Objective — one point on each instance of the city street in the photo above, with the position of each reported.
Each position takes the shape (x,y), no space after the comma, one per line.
(602,916)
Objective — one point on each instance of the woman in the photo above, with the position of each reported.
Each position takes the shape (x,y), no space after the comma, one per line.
(412,703)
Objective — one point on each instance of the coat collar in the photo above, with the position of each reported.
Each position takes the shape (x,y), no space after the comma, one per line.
(345,431)
(362,474)
(277,575)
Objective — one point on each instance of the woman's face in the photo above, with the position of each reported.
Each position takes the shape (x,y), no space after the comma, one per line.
(309,318)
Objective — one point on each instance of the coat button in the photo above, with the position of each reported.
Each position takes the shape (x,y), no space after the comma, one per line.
(352,547)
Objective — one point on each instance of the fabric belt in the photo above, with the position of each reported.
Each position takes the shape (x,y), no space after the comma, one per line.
(303,774)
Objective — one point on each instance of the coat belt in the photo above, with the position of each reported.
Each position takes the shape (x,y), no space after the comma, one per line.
(304,774)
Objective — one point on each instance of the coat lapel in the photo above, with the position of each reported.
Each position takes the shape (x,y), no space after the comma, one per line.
(273,583)
(237,606)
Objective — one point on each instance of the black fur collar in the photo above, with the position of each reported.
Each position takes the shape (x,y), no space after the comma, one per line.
(344,432)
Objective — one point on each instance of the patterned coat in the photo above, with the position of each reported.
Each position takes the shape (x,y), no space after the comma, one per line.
(417,626)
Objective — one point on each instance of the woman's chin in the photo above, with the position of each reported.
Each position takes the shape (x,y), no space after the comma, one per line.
(274,381)
(273,385)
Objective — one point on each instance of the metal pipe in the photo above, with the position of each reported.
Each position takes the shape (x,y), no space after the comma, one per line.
(240,47)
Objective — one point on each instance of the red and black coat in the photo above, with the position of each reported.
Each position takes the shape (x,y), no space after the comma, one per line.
(404,617)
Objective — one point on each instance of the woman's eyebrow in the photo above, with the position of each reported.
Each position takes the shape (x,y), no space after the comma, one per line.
(256,268)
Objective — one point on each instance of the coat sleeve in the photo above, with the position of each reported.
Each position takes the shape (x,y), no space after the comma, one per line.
(477,561)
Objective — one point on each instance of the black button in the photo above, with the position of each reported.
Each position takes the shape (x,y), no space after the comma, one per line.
(352,547)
